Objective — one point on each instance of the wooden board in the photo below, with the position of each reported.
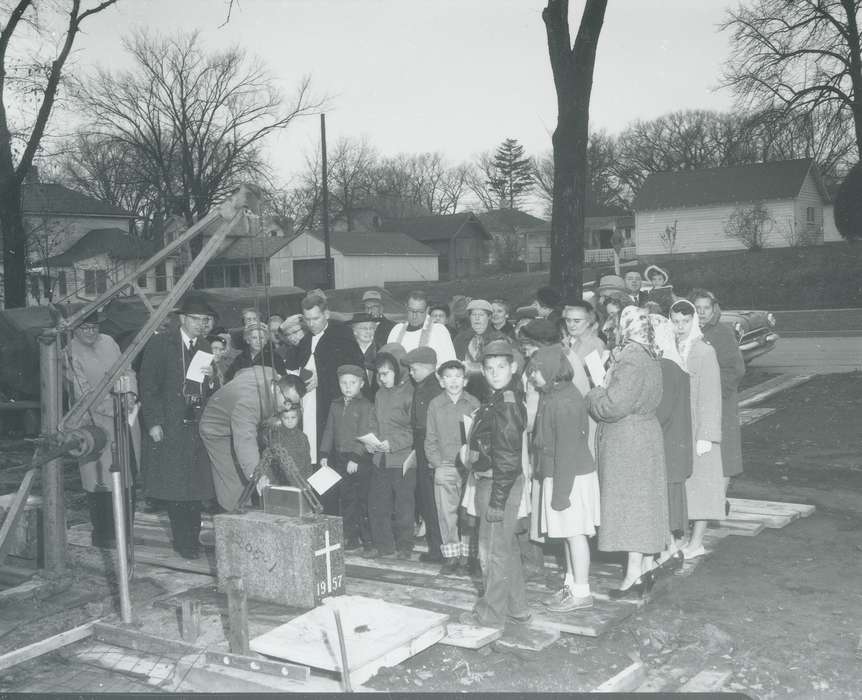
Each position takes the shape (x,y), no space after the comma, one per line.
(766,519)
(625,681)
(746,528)
(129,638)
(747,416)
(44,646)
(470,636)
(377,634)
(527,637)
(706,682)
(775,507)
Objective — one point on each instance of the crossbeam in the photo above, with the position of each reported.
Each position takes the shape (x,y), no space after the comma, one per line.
(228,216)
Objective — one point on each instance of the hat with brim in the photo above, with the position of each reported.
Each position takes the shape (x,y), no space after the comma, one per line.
(372,295)
(526,312)
(611,283)
(540,331)
(480,305)
(362,318)
(499,348)
(94,318)
(195,306)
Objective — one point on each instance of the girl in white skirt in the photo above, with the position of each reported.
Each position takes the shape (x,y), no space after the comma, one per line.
(569,502)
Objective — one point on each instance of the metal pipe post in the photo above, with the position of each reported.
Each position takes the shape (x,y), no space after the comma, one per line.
(327,252)
(53,506)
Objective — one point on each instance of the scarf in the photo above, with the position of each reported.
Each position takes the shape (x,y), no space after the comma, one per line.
(635,328)
(664,338)
(684,345)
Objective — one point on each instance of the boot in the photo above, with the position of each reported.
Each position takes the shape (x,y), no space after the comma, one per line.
(102,519)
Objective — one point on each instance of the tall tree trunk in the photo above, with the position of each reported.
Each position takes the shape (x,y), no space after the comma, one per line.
(855,46)
(14,239)
(572,68)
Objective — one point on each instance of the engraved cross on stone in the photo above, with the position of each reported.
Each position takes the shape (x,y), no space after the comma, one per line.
(327,551)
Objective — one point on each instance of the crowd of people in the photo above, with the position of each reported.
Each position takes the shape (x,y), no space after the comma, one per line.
(492,429)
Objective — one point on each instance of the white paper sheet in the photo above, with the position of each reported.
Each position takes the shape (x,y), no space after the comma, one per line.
(324,479)
(595,367)
(370,440)
(409,463)
(199,363)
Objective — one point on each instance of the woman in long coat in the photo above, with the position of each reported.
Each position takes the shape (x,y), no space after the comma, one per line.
(732,366)
(632,478)
(706,486)
(674,414)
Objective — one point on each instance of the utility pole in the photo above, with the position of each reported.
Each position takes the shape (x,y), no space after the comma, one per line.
(327,253)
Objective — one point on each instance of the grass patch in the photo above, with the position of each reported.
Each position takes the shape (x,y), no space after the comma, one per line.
(815,277)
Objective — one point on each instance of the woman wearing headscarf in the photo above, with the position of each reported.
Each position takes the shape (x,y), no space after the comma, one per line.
(732,368)
(633,483)
(705,487)
(674,414)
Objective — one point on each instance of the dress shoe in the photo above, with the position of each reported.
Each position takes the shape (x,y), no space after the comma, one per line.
(570,603)
(472,619)
(431,557)
(556,598)
(522,619)
(450,566)
(670,565)
(643,584)
(692,553)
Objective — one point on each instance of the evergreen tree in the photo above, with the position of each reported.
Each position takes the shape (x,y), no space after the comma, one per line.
(511,177)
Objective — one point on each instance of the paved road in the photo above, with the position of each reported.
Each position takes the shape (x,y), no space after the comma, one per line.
(819,322)
(822,355)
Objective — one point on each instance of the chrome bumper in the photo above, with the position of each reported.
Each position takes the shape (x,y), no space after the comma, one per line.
(769,339)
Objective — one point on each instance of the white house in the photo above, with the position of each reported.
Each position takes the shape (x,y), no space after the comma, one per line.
(367,259)
(695,205)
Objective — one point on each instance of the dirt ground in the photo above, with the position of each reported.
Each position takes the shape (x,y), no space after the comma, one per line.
(782,611)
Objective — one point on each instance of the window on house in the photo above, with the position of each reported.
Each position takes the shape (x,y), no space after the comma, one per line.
(232,276)
(142,281)
(62,289)
(809,215)
(90,282)
(178,272)
(101,281)
(34,286)
(161,278)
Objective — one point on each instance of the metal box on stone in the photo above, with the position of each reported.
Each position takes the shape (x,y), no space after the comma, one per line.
(281,559)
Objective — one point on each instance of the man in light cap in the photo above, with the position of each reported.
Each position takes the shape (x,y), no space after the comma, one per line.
(372,303)
(419,331)
(470,344)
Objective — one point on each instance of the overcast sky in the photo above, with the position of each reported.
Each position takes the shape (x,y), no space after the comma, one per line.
(456,76)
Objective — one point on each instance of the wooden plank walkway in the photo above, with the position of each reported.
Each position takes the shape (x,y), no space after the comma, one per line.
(420,584)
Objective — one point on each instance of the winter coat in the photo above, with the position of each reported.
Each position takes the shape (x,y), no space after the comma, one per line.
(675,416)
(178,467)
(391,421)
(560,439)
(632,475)
(267,357)
(732,367)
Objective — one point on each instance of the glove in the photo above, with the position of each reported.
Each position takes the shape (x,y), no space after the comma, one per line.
(352,467)
(701,447)
(560,503)
(262,483)
(494,515)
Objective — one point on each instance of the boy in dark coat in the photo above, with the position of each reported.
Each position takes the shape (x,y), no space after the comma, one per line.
(495,446)
(423,364)
(350,417)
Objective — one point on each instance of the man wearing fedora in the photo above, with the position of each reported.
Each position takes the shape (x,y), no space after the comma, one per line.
(177,469)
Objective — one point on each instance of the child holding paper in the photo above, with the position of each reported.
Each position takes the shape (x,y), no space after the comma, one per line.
(340,448)
(392,490)
(443,441)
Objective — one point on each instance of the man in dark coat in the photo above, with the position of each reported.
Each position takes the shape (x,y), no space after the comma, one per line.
(177,469)
(323,351)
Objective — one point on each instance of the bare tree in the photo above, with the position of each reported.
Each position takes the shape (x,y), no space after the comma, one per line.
(26,21)
(572,68)
(351,175)
(797,55)
(479,175)
(750,225)
(197,120)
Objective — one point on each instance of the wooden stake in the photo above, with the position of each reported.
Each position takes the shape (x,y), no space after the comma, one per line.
(44,646)
(237,612)
(190,614)
(345,669)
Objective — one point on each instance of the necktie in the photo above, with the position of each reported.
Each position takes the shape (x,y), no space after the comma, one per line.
(192,347)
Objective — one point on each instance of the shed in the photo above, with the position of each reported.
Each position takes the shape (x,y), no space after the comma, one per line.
(368,259)
(695,205)
(460,240)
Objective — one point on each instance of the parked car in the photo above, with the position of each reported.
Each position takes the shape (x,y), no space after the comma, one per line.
(754,330)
